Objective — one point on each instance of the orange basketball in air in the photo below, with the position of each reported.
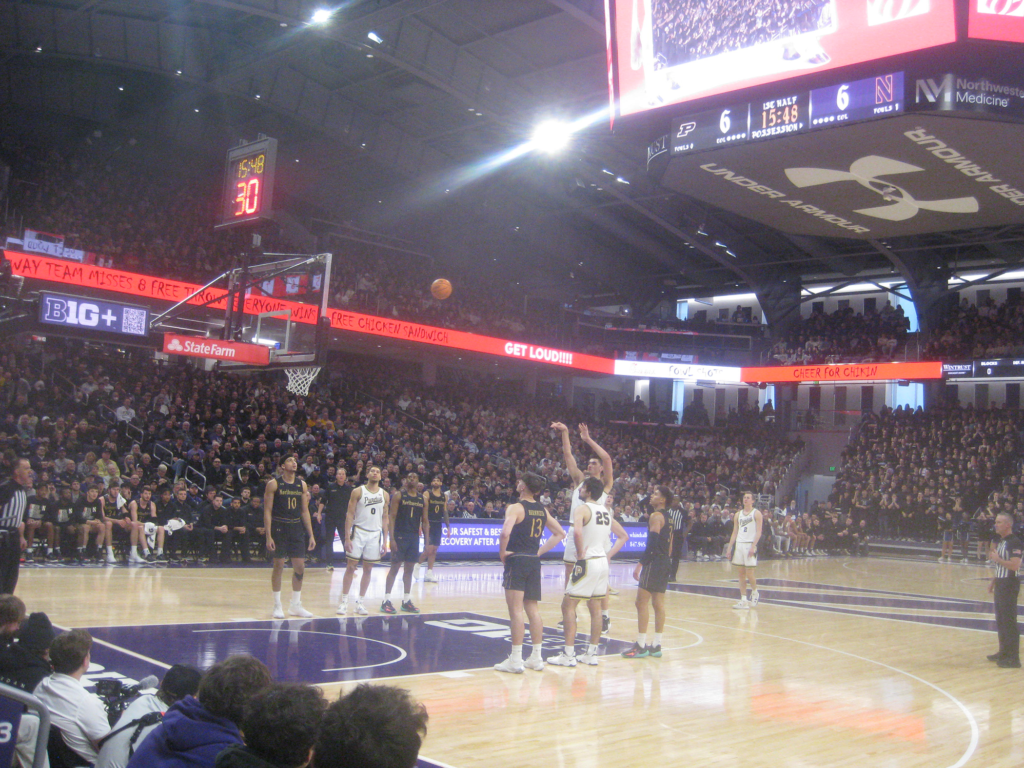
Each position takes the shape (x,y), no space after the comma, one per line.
(441,288)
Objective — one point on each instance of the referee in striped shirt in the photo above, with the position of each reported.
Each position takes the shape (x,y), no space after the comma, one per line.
(1005,587)
(13,501)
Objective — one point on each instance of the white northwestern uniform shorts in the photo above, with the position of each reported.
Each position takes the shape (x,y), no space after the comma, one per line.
(569,555)
(365,545)
(741,555)
(589,579)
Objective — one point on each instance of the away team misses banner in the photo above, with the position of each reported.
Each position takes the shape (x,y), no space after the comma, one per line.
(997,20)
(35,267)
(671,51)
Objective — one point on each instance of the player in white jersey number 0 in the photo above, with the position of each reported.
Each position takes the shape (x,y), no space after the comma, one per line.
(742,549)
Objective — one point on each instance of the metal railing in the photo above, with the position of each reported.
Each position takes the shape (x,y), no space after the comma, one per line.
(34,705)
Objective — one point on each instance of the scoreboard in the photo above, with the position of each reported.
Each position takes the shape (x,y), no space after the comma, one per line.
(789,113)
(248,190)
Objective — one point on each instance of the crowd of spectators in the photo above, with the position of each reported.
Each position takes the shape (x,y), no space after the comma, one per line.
(844,337)
(974,331)
(689,30)
(233,715)
(914,474)
(185,428)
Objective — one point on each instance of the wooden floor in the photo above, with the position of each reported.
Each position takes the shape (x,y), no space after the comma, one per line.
(840,665)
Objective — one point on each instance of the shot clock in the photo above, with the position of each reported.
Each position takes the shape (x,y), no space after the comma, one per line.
(248,183)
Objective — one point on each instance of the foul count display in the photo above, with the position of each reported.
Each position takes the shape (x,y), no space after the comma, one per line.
(789,113)
(248,183)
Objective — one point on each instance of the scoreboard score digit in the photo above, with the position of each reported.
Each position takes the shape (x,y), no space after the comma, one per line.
(711,129)
(248,183)
(880,96)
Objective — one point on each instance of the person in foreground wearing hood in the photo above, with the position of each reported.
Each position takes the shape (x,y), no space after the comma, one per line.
(196,729)
(279,727)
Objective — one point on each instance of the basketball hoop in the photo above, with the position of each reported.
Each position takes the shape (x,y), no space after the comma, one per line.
(299,379)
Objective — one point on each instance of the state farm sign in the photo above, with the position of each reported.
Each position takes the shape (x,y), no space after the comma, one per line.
(232,351)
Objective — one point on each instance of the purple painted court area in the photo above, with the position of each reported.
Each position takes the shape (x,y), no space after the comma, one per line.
(323,650)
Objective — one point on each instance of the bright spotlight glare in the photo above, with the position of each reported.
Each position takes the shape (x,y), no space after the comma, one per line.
(321,16)
(375,37)
(552,136)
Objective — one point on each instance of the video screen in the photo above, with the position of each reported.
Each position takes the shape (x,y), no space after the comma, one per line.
(997,20)
(672,51)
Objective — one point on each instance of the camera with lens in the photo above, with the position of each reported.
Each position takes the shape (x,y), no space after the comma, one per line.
(116,696)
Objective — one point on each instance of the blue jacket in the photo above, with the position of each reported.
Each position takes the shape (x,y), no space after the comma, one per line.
(188,737)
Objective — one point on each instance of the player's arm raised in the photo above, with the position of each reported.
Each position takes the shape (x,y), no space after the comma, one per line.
(567,457)
(304,507)
(268,506)
(513,513)
(557,534)
(350,516)
(621,537)
(602,454)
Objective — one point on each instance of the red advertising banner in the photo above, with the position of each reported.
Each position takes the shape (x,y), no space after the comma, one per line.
(445,337)
(996,20)
(232,351)
(843,372)
(35,267)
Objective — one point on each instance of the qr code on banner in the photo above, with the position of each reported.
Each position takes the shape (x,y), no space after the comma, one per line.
(133,321)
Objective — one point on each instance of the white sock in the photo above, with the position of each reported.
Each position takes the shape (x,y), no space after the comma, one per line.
(406,597)
(536,651)
(605,614)
(430,571)
(591,650)
(570,650)
(110,551)
(657,638)
(641,639)
(297,597)
(277,599)
(517,654)
(135,550)
(160,551)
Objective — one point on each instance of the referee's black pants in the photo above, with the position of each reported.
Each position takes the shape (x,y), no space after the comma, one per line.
(331,525)
(10,560)
(1006,592)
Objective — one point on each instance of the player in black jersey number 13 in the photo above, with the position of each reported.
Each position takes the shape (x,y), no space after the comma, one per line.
(285,515)
(521,551)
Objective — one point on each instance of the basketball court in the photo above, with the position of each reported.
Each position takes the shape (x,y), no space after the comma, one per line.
(845,662)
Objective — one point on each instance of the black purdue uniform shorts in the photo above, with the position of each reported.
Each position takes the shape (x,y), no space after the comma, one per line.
(289,539)
(522,573)
(654,575)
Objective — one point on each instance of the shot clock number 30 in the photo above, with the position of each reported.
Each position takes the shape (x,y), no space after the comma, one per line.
(248,183)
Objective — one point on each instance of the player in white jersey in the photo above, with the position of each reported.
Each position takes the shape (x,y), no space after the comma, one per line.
(364,539)
(599,466)
(746,532)
(593,525)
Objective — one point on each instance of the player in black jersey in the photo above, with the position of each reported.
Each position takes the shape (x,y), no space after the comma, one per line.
(285,515)
(653,574)
(437,516)
(89,518)
(521,550)
(407,515)
(335,497)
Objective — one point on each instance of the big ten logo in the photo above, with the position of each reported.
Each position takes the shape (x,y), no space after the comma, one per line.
(488,629)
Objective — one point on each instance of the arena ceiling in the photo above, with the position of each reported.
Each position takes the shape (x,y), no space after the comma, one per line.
(408,137)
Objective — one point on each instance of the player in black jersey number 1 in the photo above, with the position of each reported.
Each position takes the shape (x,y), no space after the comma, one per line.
(521,551)
(407,517)
(285,515)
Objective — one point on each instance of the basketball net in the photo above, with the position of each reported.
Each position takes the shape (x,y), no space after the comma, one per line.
(299,379)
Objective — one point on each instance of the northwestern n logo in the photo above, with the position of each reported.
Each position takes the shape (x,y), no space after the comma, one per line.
(866,172)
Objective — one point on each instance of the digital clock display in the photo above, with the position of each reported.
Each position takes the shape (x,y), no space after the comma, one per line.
(248,183)
(778,117)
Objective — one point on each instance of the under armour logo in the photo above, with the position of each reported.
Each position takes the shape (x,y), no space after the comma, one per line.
(866,171)
(175,346)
